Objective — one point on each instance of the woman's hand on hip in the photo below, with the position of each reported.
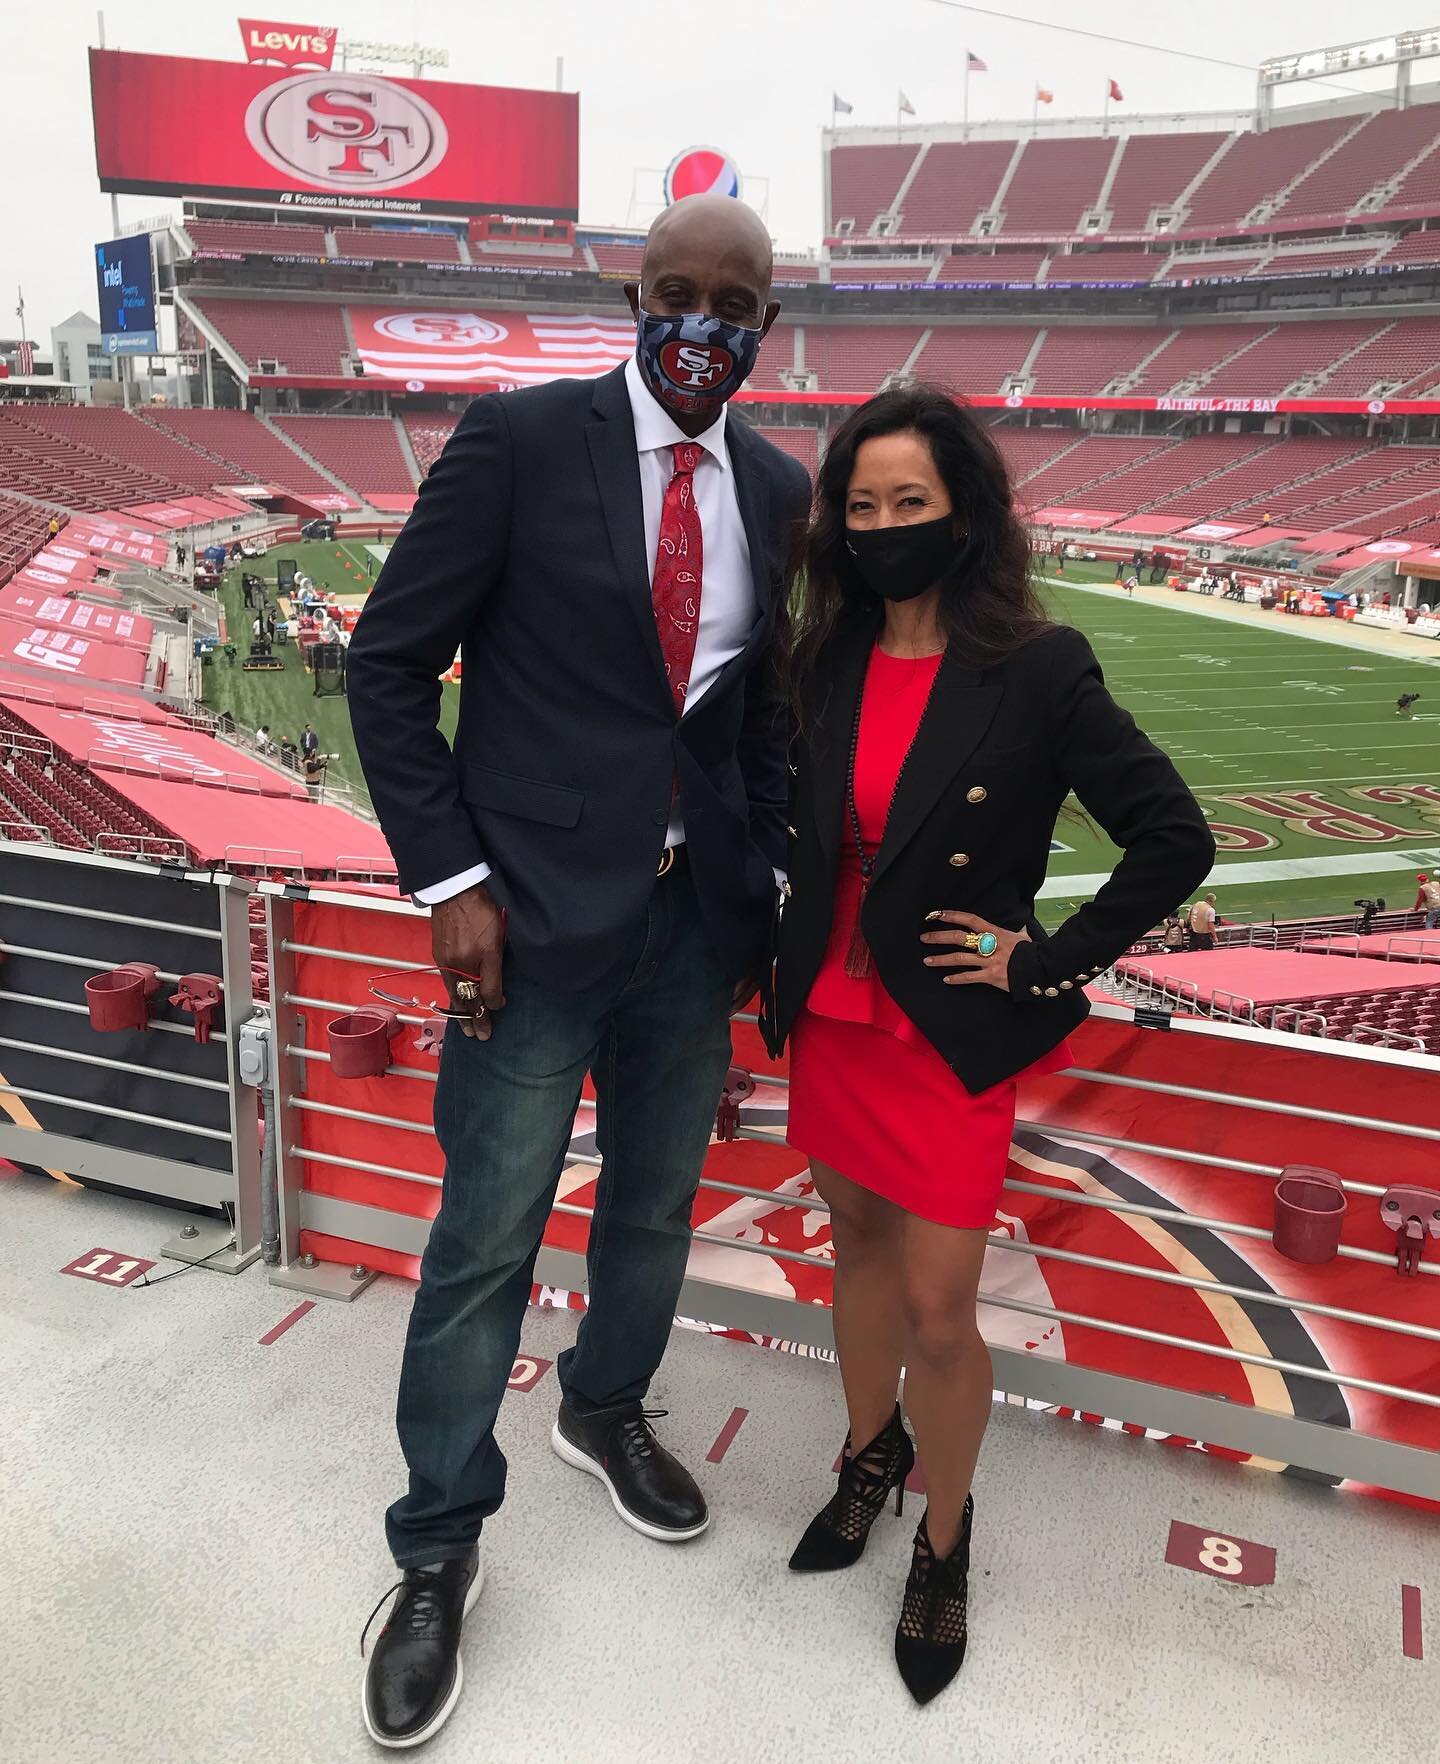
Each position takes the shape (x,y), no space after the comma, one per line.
(978,951)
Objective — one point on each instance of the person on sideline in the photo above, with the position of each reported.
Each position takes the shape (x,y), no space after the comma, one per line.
(600,854)
(1431,893)
(942,723)
(1203,920)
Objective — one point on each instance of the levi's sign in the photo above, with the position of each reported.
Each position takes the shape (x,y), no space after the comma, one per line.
(290,44)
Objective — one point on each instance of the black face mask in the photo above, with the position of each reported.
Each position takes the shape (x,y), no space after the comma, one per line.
(901,563)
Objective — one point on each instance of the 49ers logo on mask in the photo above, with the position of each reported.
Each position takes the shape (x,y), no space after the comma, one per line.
(698,366)
(693,362)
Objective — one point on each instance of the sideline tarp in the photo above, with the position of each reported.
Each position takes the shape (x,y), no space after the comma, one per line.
(29,645)
(173,752)
(112,624)
(221,826)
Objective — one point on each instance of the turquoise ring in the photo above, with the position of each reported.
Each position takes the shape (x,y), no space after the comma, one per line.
(984,943)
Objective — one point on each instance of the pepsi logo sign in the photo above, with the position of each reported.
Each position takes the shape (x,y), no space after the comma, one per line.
(695,366)
(346,131)
(701,171)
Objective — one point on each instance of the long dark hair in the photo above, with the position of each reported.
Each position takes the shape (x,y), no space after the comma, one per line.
(989,606)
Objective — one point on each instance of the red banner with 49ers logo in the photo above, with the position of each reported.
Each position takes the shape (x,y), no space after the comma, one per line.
(327,140)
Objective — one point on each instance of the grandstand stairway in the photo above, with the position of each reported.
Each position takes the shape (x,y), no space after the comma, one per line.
(304,453)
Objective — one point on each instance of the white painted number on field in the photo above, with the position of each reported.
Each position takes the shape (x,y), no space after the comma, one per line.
(1315,686)
(1209,661)
(1222,1555)
(108,1266)
(1235,1559)
(1117,636)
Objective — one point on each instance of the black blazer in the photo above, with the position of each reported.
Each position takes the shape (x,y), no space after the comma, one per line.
(526,551)
(997,753)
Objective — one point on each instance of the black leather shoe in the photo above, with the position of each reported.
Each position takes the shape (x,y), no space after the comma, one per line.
(414,1677)
(649,1488)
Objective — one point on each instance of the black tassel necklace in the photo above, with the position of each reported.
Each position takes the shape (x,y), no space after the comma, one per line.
(857,957)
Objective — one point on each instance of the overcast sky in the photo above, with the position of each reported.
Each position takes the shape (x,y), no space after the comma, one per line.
(752,76)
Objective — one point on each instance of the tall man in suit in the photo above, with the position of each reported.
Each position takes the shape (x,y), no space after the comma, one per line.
(601,851)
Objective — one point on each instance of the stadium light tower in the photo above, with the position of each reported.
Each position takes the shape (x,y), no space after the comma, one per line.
(1401,50)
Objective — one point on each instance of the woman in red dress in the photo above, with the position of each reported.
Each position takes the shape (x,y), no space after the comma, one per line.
(943,721)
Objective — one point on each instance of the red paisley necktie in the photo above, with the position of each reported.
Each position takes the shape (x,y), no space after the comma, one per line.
(675,590)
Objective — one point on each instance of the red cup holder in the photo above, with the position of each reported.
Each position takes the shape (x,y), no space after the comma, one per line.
(1309,1213)
(121,998)
(360,1041)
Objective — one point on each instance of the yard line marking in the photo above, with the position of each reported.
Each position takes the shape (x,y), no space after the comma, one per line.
(726,1437)
(285,1323)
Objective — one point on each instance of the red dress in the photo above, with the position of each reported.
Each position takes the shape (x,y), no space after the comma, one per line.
(869,1094)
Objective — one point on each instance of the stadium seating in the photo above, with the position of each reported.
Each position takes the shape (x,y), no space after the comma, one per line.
(1026,451)
(1321,261)
(1090,358)
(126,439)
(956,181)
(1320,171)
(975,358)
(306,337)
(617,260)
(236,238)
(1386,142)
(857,358)
(375,245)
(540,259)
(777,356)
(1419,247)
(1403,354)
(1055,183)
(1197,266)
(1191,355)
(363,452)
(865,269)
(800,443)
(1087,469)
(992,267)
(1104,266)
(1258,484)
(67,801)
(863,182)
(244,450)
(24,527)
(48,464)
(429,430)
(1153,171)
(1292,355)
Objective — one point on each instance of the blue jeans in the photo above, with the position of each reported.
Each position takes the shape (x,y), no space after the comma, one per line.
(655,1035)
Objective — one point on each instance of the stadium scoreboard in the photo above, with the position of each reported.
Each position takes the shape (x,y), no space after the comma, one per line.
(125,284)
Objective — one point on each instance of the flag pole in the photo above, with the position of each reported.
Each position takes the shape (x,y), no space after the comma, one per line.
(1105,126)
(1035,111)
(965,101)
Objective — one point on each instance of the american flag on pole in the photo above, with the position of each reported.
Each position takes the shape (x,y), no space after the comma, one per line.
(26,357)
(974,64)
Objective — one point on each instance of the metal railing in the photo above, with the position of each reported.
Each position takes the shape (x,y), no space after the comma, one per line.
(309,1213)
(160,1112)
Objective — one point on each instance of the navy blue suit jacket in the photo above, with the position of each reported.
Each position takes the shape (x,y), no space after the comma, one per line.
(526,551)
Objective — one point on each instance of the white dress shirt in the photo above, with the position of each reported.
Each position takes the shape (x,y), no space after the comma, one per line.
(727,593)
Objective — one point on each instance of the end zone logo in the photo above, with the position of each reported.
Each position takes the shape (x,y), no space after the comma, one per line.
(695,366)
(346,131)
(440,330)
(290,44)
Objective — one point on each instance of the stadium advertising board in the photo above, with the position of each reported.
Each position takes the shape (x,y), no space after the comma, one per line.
(125,286)
(331,140)
(291,45)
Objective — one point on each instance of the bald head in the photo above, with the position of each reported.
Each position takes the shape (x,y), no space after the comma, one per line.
(717,227)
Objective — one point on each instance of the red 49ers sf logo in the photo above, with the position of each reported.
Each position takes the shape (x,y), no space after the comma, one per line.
(346,131)
(695,366)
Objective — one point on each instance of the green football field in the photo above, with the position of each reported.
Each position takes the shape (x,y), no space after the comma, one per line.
(1319,794)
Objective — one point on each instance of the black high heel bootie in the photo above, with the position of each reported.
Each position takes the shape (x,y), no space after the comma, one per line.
(837,1534)
(931,1635)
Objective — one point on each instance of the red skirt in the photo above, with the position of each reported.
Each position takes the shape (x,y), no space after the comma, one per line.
(890,1115)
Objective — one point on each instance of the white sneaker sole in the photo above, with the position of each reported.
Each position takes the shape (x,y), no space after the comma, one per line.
(583,1461)
(446,1709)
